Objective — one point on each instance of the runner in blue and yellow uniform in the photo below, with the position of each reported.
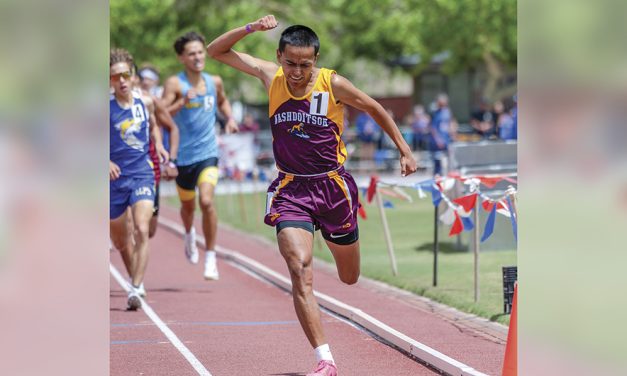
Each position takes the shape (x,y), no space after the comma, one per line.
(306,111)
(193,97)
(130,170)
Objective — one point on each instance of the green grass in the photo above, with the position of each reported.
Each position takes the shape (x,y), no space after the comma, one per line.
(411,226)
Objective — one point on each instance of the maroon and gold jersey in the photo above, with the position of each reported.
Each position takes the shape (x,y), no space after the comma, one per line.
(307,130)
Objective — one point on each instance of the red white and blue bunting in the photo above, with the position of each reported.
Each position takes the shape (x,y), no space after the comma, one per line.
(459,210)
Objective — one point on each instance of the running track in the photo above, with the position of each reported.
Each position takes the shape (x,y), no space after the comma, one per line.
(242,325)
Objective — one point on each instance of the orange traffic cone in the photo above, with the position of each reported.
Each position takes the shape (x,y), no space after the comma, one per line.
(510,363)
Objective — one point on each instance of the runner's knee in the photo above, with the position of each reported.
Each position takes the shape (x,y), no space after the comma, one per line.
(206,203)
(300,272)
(298,268)
(142,230)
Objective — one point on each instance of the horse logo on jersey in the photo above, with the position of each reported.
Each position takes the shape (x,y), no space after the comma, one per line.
(298,130)
(128,128)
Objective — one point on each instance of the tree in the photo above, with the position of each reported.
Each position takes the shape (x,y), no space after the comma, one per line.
(461,34)
(477,33)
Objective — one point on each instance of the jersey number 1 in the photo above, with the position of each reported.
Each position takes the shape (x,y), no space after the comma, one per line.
(319,103)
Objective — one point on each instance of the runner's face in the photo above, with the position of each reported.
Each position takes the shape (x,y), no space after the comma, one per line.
(148,83)
(120,78)
(297,64)
(193,56)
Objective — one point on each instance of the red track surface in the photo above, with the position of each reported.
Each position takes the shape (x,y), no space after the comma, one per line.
(240,325)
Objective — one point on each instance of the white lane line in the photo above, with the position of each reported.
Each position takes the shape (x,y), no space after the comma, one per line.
(421,351)
(163,327)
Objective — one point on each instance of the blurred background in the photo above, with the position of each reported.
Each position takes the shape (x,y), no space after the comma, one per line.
(563,61)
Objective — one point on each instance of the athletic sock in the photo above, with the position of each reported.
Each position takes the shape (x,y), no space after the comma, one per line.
(210,254)
(323,352)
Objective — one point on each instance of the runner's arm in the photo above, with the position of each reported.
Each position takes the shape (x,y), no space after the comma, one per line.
(114,171)
(173,100)
(165,119)
(221,49)
(345,92)
(155,133)
(225,106)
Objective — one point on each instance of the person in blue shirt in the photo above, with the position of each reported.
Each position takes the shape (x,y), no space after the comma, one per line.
(443,130)
(131,176)
(369,134)
(193,97)
(504,121)
(509,129)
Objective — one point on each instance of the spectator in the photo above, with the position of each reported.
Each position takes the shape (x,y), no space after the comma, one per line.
(443,131)
(504,122)
(420,128)
(368,133)
(249,124)
(483,120)
(514,113)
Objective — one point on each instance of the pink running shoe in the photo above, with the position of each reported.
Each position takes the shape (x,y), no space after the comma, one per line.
(325,368)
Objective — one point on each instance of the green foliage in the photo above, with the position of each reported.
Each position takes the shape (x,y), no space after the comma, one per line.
(472,31)
(469,29)
(146,28)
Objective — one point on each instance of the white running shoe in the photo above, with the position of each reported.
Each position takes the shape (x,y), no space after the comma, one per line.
(191,250)
(134,302)
(141,291)
(211,267)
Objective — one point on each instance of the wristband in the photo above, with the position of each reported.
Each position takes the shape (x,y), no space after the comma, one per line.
(249,28)
(172,163)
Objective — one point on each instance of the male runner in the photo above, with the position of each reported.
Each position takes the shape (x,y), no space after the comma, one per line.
(130,171)
(312,191)
(193,96)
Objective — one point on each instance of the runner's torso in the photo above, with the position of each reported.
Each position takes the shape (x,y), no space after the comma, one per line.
(129,138)
(196,122)
(307,130)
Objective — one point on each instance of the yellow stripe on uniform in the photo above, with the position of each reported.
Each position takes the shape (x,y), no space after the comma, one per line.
(283,183)
(208,175)
(343,186)
(185,194)
(341,149)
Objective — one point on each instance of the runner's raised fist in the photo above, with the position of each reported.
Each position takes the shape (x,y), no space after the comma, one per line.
(265,23)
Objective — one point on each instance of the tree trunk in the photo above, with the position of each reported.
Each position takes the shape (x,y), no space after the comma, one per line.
(417,93)
(495,73)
